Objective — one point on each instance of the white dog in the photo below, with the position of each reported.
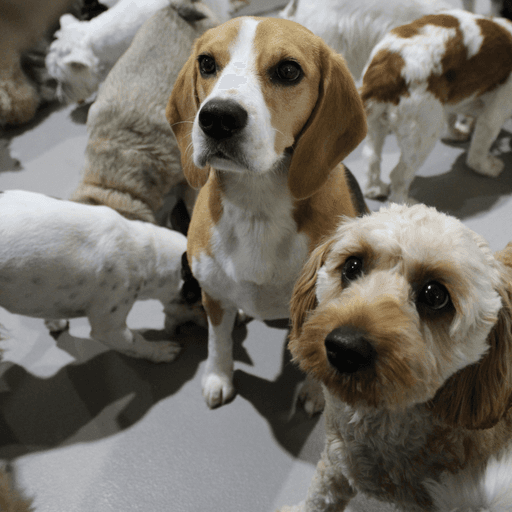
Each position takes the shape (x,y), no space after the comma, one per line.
(85,51)
(430,70)
(61,259)
(405,316)
(353,28)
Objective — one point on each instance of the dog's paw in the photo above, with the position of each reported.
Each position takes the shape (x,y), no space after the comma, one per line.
(155,351)
(218,389)
(378,190)
(311,397)
(57,326)
(489,166)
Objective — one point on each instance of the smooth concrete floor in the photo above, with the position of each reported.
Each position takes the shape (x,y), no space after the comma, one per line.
(86,429)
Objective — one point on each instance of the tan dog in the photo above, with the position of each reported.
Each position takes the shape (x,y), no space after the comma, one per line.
(263,111)
(22,24)
(10,499)
(132,159)
(405,316)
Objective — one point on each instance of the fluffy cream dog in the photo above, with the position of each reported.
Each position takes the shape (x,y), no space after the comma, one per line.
(430,70)
(61,259)
(132,159)
(404,316)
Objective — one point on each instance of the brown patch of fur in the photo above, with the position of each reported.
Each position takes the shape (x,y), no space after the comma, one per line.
(438,20)
(383,80)
(393,378)
(479,396)
(318,216)
(213,309)
(489,68)
(207,213)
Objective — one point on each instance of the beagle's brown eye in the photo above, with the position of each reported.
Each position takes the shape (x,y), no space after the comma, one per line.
(288,72)
(207,65)
(352,269)
(435,296)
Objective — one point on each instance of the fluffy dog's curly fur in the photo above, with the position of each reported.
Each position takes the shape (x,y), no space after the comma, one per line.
(405,317)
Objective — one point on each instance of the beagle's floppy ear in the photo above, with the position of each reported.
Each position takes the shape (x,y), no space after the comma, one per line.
(304,294)
(181,110)
(479,396)
(335,127)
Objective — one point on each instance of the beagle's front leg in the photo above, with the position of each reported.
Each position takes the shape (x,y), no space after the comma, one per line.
(329,490)
(217,381)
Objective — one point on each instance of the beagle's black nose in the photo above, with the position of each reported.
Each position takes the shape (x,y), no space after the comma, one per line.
(348,350)
(220,119)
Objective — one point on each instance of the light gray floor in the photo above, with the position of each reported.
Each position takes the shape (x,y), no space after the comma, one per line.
(89,430)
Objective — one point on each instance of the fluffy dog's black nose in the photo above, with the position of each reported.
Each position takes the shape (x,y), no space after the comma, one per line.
(348,350)
(221,119)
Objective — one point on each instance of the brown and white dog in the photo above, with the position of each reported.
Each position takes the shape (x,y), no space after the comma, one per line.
(405,316)
(434,68)
(264,112)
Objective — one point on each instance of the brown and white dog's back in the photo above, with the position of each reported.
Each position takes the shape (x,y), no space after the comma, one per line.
(438,66)
(263,111)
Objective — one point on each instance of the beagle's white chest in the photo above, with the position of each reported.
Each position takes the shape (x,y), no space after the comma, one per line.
(256,261)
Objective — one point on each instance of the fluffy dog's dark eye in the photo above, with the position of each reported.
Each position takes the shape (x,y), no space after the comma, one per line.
(434,295)
(207,65)
(352,269)
(288,72)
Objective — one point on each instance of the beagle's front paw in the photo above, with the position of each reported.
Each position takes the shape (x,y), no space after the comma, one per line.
(218,389)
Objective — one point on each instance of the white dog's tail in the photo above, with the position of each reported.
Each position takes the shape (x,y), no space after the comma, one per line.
(485,491)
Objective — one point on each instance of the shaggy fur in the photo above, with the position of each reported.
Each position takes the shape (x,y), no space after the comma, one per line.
(24,28)
(132,159)
(404,316)
(434,69)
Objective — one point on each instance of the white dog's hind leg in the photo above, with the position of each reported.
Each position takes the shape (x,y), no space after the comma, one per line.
(419,122)
(111,330)
(378,128)
(488,125)
(56,326)
(217,379)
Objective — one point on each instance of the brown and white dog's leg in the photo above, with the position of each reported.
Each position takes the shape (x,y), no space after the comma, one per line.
(218,375)
(488,125)
(111,330)
(329,490)
(378,128)
(416,135)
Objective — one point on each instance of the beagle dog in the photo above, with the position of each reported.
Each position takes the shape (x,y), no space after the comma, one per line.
(264,112)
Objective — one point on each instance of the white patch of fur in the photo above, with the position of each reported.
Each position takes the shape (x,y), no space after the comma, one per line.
(239,81)
(486,490)
(62,259)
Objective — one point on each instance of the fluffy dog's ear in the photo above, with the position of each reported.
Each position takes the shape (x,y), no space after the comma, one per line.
(478,397)
(181,110)
(335,127)
(304,296)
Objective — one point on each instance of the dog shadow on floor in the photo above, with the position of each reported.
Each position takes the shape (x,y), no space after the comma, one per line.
(461,191)
(276,401)
(96,398)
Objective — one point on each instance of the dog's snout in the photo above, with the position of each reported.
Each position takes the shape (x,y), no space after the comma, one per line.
(220,118)
(348,350)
